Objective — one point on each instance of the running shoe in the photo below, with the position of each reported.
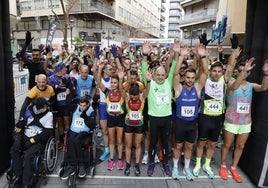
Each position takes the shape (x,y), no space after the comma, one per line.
(120,165)
(196,170)
(236,175)
(145,158)
(175,173)
(127,169)
(137,170)
(166,169)
(105,154)
(110,165)
(208,171)
(82,171)
(68,171)
(223,173)
(150,170)
(188,173)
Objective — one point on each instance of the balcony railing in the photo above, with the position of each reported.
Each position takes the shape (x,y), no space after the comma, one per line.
(198,16)
(93,6)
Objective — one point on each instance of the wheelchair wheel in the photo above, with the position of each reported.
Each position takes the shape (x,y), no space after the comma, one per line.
(72,181)
(51,155)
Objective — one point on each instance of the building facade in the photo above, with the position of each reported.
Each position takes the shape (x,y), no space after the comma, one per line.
(104,22)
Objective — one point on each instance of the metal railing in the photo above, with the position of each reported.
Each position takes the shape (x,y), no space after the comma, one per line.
(20,84)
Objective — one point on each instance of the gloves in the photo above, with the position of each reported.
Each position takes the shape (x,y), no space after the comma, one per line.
(203,39)
(84,115)
(234,41)
(97,51)
(114,50)
(28,38)
(20,124)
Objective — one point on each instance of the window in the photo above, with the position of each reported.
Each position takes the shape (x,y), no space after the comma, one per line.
(121,11)
(26,5)
(39,4)
(45,24)
(54,4)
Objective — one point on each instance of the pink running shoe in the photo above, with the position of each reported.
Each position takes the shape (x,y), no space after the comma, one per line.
(120,165)
(110,165)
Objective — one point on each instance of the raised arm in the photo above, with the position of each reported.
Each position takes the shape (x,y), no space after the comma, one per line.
(146,48)
(148,77)
(98,78)
(241,76)
(179,57)
(203,54)
(264,84)
(232,59)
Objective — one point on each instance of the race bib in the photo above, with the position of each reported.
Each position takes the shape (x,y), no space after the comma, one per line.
(243,108)
(162,99)
(79,122)
(114,107)
(187,111)
(134,115)
(84,93)
(214,106)
(61,96)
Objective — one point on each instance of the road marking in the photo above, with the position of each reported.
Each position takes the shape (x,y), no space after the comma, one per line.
(136,177)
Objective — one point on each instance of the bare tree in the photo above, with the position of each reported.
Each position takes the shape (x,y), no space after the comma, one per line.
(66,6)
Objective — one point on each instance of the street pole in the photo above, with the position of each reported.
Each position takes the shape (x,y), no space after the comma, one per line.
(108,38)
(71,37)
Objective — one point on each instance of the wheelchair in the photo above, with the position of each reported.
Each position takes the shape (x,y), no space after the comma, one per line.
(89,153)
(43,163)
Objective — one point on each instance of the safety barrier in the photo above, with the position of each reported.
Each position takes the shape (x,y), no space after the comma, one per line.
(20,85)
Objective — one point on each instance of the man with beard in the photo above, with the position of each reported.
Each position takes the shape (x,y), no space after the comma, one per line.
(187,98)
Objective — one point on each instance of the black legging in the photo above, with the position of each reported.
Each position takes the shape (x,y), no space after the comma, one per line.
(162,126)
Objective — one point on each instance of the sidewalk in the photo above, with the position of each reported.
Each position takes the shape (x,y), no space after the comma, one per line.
(116,179)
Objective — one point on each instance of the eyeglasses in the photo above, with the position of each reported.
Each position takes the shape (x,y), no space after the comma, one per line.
(183,68)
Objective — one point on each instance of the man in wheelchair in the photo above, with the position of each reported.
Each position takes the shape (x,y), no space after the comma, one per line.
(79,139)
(30,137)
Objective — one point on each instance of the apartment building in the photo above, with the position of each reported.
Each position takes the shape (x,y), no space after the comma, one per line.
(176,14)
(202,15)
(104,22)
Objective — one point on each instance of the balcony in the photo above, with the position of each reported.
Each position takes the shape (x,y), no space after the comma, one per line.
(93,7)
(174,1)
(201,16)
(173,27)
(162,18)
(175,6)
(163,8)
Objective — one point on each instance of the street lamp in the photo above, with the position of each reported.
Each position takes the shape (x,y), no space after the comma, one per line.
(71,26)
(108,37)
(192,34)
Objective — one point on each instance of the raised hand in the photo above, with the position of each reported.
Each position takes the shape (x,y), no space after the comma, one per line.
(201,50)
(185,50)
(203,39)
(249,64)
(265,67)
(149,74)
(97,51)
(176,45)
(114,50)
(146,47)
(234,41)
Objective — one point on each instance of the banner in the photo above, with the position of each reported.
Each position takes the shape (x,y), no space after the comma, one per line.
(50,34)
(154,42)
